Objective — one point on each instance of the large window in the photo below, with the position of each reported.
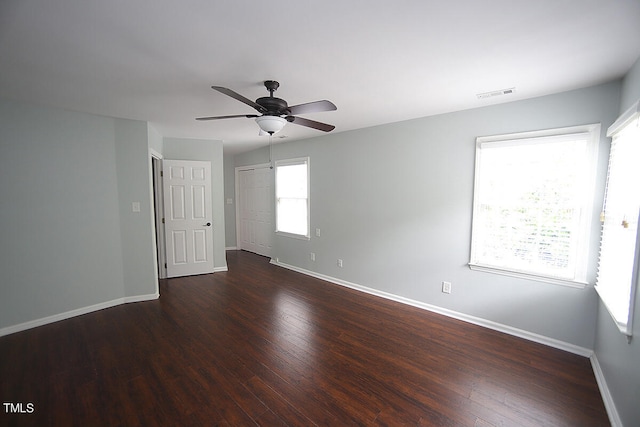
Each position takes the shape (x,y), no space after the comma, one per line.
(533,204)
(292,197)
(617,269)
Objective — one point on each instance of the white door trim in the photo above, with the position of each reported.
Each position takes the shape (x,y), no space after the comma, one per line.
(238,169)
(157,201)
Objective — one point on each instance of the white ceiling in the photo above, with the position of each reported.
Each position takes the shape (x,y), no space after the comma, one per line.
(379,61)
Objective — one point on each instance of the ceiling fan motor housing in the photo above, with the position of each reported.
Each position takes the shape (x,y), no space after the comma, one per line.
(274,106)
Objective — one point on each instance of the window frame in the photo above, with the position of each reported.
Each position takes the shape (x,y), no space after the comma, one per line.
(585,228)
(631,117)
(293,162)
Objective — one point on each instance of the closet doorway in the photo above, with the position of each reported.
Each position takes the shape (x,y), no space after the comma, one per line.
(254,214)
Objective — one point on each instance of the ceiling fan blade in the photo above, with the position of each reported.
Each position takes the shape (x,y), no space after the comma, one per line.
(313,107)
(310,123)
(237,96)
(248,116)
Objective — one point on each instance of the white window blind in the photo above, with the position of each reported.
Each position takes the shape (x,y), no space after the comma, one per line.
(617,267)
(292,197)
(533,204)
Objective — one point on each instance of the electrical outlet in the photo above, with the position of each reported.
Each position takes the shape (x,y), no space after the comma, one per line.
(317,232)
(313,256)
(339,263)
(446,287)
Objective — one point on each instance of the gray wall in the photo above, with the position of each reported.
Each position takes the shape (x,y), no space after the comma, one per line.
(206,150)
(230,209)
(156,142)
(620,360)
(395,202)
(136,228)
(69,238)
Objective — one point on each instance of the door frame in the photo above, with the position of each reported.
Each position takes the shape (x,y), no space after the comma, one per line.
(237,191)
(160,254)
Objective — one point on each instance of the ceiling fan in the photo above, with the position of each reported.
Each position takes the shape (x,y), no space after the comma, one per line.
(275,112)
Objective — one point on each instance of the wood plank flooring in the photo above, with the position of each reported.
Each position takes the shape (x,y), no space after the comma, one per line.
(261,345)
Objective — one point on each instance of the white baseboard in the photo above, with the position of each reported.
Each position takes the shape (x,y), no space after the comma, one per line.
(73,313)
(231,248)
(223,268)
(140,298)
(614,417)
(541,339)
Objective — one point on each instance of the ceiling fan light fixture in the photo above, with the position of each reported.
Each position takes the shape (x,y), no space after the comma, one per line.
(271,124)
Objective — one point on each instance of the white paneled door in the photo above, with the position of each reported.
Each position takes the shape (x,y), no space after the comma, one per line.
(188,218)
(255,210)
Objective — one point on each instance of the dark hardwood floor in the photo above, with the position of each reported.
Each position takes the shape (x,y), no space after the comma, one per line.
(261,345)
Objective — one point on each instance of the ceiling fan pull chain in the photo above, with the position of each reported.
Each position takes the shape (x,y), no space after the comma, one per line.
(270,160)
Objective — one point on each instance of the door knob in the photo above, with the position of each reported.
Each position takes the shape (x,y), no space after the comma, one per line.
(208,224)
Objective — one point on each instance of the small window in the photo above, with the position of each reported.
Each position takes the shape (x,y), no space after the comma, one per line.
(617,269)
(533,199)
(292,197)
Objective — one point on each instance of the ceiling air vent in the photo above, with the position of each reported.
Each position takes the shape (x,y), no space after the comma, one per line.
(500,92)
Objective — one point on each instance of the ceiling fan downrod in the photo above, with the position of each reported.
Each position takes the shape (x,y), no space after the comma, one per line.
(271,86)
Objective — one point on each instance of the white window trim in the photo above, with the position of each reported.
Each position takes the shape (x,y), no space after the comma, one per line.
(292,162)
(629,116)
(580,281)
(526,275)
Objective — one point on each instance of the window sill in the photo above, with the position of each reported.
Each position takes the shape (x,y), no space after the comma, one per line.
(529,276)
(292,235)
(624,326)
